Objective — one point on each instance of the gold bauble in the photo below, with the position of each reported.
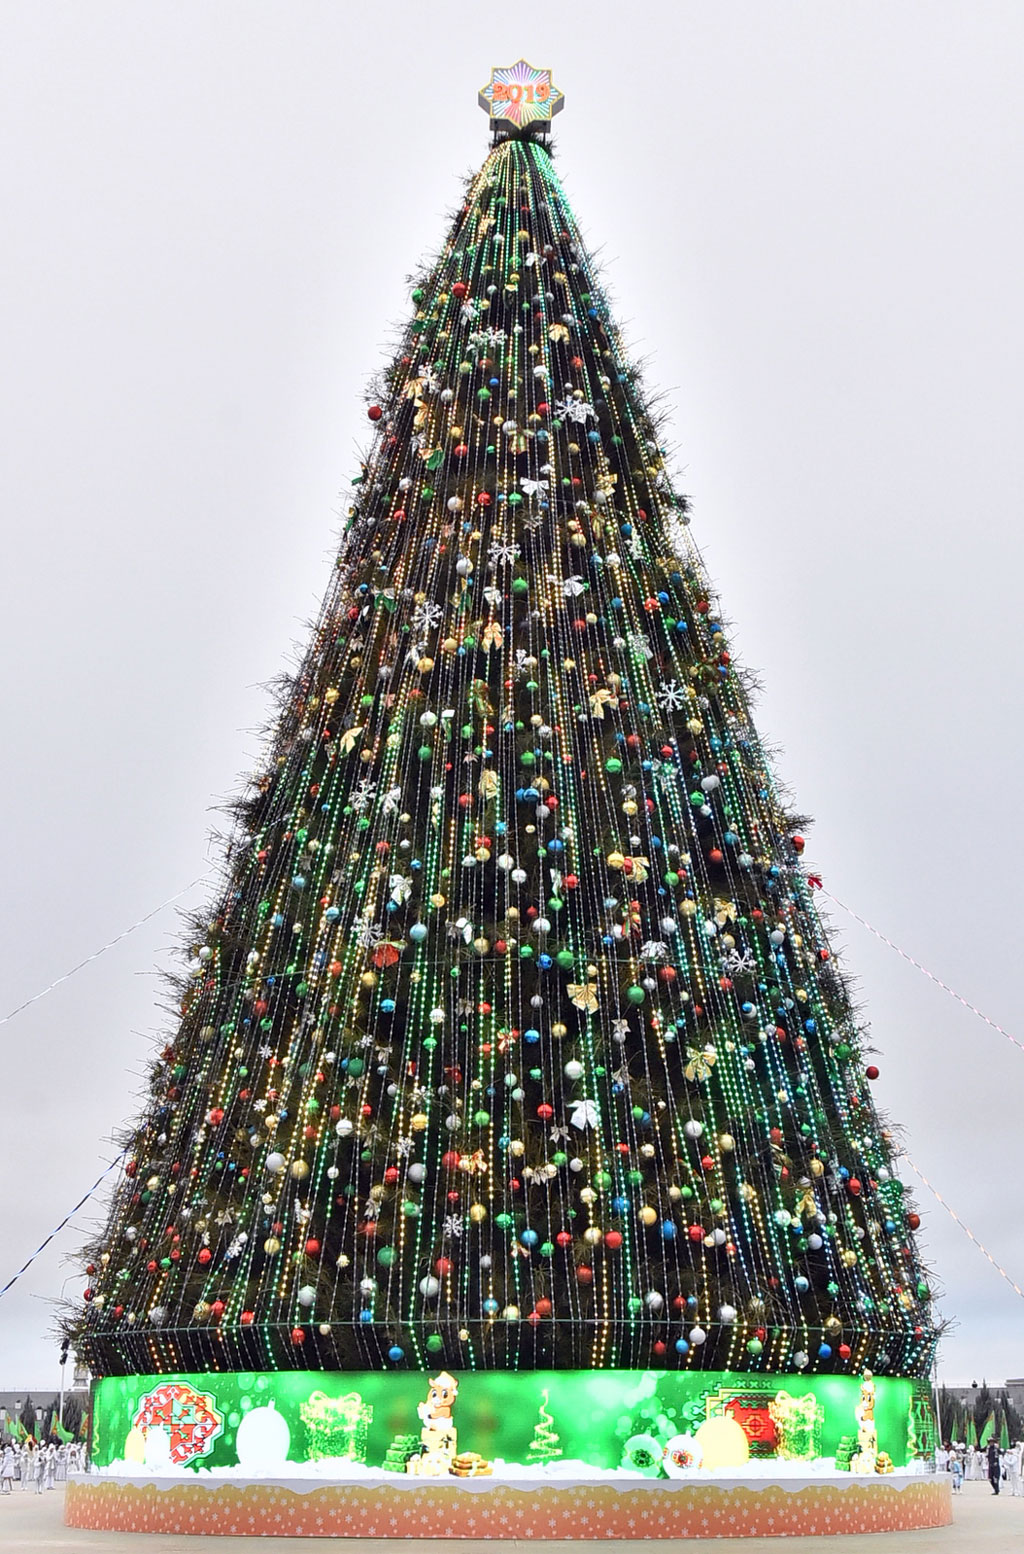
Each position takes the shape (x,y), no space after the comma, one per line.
(648,1216)
(418,1121)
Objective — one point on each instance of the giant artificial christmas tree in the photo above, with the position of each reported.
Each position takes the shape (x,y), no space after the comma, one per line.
(513,1040)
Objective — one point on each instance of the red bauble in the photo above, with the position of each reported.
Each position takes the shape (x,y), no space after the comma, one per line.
(205,1255)
(443,1266)
(298,1335)
(871,1071)
(375,412)
(450,1160)
(563,1238)
(459,289)
(545,1112)
(914,1221)
(247,1318)
(854,1186)
(613,1240)
(312,1247)
(715,855)
(798,843)
(391,1175)
(584,1274)
(696,1232)
(543,1308)
(659,1346)
(844,1351)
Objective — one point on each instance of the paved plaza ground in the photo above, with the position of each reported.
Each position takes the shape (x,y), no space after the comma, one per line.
(32,1524)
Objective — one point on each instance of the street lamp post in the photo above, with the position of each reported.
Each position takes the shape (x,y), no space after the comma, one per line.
(63,1356)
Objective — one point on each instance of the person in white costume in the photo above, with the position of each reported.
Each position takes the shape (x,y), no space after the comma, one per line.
(7,1470)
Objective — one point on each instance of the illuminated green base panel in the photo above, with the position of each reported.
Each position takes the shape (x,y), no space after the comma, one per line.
(656,1421)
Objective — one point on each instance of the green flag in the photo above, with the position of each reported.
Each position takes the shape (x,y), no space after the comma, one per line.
(988,1430)
(1004,1434)
(971,1433)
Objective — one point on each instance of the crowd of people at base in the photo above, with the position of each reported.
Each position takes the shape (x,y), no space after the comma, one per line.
(1002,1466)
(42,1467)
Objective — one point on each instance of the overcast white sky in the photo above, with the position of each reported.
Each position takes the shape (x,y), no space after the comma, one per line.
(811,217)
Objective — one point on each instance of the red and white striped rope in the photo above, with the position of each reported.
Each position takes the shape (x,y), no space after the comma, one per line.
(968,1232)
(924,969)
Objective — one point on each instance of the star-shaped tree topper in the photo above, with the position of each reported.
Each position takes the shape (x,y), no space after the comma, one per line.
(518,96)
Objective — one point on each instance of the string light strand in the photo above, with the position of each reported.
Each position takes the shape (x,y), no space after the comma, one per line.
(968,1232)
(924,969)
(58,1228)
(104,948)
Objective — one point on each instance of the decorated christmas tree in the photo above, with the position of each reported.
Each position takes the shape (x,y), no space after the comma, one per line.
(545,1445)
(513,1038)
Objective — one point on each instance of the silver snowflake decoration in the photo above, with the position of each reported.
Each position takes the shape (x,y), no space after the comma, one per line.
(452,1226)
(575,410)
(367,935)
(736,963)
(363,795)
(502,553)
(671,696)
(638,645)
(427,616)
